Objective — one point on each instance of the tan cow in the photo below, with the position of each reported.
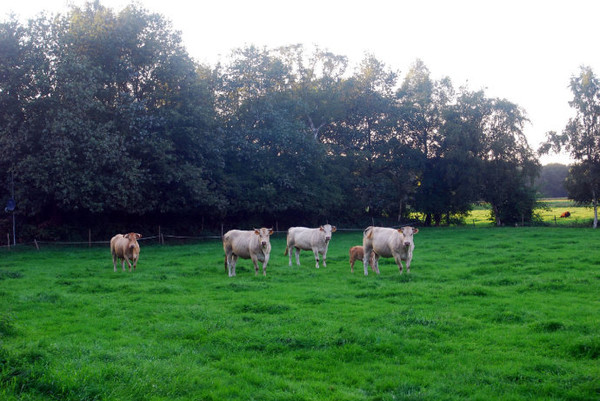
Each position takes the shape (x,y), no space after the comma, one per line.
(315,239)
(253,244)
(125,248)
(389,242)
(357,253)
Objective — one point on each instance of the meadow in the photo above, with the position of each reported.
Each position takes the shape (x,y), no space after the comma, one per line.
(485,314)
(548,214)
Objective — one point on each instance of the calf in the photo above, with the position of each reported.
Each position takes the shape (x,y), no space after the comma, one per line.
(358,253)
(253,244)
(125,248)
(315,239)
(389,242)
(565,214)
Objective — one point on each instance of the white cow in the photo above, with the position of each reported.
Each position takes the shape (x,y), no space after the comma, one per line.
(389,242)
(315,239)
(253,244)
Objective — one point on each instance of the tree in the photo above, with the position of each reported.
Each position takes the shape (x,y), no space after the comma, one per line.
(551,183)
(581,138)
(106,113)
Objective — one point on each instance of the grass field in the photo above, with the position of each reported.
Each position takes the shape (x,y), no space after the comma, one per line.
(581,216)
(485,314)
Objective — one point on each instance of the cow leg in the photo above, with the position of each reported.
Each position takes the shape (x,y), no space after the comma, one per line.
(324,254)
(234,259)
(255,262)
(128,263)
(265,265)
(123,264)
(351,264)
(297,251)
(230,266)
(290,251)
(375,266)
(115,262)
(366,258)
(398,262)
(316,252)
(407,266)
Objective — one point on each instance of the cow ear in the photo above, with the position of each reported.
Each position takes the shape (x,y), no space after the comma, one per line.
(333,229)
(271,231)
(138,235)
(256,231)
(321,228)
(415,230)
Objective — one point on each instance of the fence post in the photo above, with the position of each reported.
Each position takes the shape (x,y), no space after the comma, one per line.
(159,236)
(89,237)
(36,244)
(8,240)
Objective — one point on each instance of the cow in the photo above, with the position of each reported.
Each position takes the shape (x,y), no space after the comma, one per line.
(389,242)
(565,214)
(125,248)
(315,239)
(357,253)
(252,244)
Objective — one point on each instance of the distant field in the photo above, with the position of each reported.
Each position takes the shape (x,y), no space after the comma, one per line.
(580,216)
(486,314)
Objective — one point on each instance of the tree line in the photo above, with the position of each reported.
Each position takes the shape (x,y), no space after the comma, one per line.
(106,120)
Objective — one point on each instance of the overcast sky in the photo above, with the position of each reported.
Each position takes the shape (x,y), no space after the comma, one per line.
(522,50)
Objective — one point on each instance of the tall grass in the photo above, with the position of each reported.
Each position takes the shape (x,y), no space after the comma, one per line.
(485,314)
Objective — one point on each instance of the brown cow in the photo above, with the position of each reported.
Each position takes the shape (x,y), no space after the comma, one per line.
(565,214)
(126,248)
(253,244)
(389,242)
(358,253)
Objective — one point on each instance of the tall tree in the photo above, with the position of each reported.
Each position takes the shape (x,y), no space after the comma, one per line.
(581,138)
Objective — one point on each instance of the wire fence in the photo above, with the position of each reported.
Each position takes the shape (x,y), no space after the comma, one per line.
(173,239)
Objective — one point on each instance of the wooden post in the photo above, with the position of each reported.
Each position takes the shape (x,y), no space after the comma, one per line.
(222,230)
(159,236)
(8,240)
(36,244)
(89,237)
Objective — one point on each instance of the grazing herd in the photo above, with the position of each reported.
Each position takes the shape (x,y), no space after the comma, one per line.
(256,245)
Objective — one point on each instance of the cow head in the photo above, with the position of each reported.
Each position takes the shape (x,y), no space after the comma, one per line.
(407,234)
(132,237)
(263,235)
(327,229)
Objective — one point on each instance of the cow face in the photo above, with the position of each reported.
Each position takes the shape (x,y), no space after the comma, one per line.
(407,233)
(327,229)
(263,235)
(132,237)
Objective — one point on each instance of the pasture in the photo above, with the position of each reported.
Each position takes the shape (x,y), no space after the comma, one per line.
(486,313)
(581,216)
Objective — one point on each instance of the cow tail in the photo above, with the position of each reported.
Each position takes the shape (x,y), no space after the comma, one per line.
(286,251)
(368,232)
(225,262)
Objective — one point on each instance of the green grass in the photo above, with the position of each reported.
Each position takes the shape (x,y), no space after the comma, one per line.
(581,216)
(485,314)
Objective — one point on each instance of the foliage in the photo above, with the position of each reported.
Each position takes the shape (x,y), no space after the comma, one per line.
(551,183)
(581,138)
(497,317)
(105,120)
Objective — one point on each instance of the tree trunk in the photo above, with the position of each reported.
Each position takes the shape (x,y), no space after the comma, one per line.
(595,203)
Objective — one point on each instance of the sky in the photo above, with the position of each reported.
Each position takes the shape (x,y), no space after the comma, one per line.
(525,51)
